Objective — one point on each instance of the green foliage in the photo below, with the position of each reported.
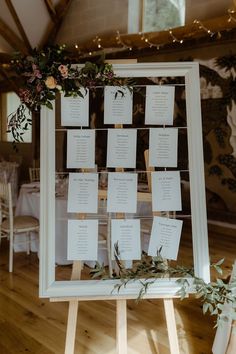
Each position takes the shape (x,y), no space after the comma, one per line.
(50,71)
(214,296)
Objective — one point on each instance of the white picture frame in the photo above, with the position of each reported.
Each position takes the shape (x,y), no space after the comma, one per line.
(104,289)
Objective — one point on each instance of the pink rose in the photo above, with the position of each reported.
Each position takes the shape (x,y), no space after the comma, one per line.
(50,82)
(63,70)
(25,95)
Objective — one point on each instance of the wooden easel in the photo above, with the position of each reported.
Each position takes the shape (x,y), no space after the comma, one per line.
(121,304)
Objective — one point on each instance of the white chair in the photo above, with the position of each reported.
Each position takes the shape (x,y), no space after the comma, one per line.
(11,226)
(34,174)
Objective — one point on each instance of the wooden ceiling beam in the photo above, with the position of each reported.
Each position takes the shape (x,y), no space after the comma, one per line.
(61,10)
(15,42)
(18,24)
(212,29)
(51,10)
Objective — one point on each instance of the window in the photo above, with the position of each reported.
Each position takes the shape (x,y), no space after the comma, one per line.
(10,102)
(155,15)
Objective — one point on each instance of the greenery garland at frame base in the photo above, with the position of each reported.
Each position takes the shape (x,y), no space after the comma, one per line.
(214,295)
(45,74)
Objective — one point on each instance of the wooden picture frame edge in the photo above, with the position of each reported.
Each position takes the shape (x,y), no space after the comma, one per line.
(101,289)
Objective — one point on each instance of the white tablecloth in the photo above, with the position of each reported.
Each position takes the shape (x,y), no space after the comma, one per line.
(28,203)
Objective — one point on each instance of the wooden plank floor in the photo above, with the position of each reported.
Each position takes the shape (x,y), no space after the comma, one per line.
(33,325)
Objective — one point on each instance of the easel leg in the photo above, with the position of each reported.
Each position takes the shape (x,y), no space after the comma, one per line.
(71,327)
(73,312)
(171,326)
(121,327)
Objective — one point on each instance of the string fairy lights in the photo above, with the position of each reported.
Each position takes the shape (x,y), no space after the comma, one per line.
(146,40)
(174,39)
(204,28)
(231,17)
(119,41)
(142,40)
(97,40)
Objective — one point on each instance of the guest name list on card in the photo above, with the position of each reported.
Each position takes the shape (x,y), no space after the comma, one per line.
(163,147)
(121,148)
(81,148)
(159,106)
(75,110)
(165,237)
(118,105)
(83,193)
(126,234)
(82,240)
(122,192)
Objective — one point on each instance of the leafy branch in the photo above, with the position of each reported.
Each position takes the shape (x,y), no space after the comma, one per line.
(218,298)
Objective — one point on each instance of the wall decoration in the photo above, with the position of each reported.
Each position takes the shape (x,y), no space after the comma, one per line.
(218,93)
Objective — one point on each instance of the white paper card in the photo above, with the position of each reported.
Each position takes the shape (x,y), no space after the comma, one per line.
(122,192)
(127,234)
(165,235)
(163,147)
(75,110)
(81,148)
(118,105)
(83,193)
(82,240)
(159,105)
(166,191)
(121,148)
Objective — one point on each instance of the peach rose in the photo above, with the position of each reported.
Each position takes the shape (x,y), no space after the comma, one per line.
(50,82)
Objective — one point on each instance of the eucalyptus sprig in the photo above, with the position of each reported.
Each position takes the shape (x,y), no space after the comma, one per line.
(218,297)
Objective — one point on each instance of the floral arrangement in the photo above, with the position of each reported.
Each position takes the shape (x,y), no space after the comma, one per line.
(45,73)
(214,295)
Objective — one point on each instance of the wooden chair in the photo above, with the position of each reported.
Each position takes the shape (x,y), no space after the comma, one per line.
(11,226)
(34,174)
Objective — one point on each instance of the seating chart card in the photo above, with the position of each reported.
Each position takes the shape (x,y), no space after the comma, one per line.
(166,191)
(163,147)
(83,193)
(121,148)
(122,192)
(82,240)
(81,148)
(75,110)
(118,105)
(127,234)
(165,235)
(159,105)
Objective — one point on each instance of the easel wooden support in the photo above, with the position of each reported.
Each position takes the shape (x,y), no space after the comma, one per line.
(121,324)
